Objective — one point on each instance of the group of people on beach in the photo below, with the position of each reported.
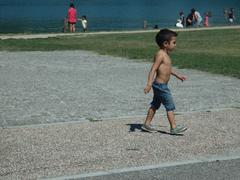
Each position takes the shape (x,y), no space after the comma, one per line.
(194,18)
(71,20)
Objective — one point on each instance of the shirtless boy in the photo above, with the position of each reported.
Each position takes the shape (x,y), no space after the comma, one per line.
(158,78)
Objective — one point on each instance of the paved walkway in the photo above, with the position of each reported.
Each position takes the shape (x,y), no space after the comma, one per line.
(73,112)
(71,149)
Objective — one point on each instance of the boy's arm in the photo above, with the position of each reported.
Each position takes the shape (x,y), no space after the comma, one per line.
(179,76)
(157,61)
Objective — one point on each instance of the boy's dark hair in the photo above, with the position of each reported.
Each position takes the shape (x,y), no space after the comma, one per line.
(164,35)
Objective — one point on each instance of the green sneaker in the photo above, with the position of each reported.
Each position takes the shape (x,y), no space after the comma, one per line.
(179,129)
(148,128)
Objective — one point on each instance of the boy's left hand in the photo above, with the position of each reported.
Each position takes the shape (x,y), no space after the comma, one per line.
(182,78)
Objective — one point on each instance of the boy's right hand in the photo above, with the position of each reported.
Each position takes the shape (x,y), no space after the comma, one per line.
(147,88)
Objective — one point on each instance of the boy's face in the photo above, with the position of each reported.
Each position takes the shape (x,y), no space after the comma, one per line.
(171,44)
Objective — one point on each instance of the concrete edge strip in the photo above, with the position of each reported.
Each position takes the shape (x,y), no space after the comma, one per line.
(206,159)
(47,35)
(114,118)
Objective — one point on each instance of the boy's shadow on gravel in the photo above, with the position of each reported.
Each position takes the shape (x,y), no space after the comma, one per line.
(134,127)
(138,127)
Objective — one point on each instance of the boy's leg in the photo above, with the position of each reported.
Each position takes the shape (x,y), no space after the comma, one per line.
(174,129)
(146,126)
(171,119)
(155,104)
(150,114)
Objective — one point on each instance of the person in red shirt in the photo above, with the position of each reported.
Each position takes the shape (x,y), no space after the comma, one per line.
(72,17)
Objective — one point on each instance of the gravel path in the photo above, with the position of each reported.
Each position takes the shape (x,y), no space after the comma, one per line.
(74,86)
(50,87)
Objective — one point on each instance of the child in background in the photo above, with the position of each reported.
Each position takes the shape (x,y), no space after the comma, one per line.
(181,21)
(84,23)
(65,25)
(206,20)
(182,18)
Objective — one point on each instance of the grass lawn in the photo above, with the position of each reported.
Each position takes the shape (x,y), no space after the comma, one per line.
(215,51)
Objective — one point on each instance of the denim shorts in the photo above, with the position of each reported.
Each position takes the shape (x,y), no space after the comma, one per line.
(162,95)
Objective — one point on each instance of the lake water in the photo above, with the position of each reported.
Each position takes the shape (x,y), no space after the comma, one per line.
(18,16)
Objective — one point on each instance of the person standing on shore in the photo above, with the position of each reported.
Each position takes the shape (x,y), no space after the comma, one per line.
(158,78)
(225,13)
(197,17)
(72,18)
(190,19)
(206,24)
(231,16)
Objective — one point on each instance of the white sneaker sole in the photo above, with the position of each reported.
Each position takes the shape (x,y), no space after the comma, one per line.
(147,130)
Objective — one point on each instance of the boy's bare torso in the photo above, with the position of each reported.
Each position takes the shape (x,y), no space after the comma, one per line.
(164,70)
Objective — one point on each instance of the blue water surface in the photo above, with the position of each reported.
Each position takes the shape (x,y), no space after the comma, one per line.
(35,16)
